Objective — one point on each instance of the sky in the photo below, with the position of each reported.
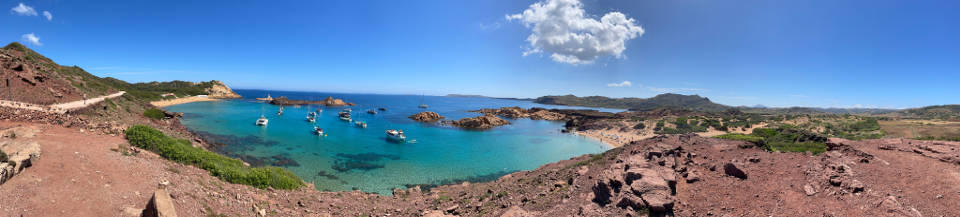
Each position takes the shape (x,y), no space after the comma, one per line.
(823,53)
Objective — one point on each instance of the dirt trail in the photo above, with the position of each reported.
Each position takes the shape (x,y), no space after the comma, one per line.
(84,103)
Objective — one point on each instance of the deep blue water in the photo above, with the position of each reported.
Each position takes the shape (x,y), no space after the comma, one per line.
(351,158)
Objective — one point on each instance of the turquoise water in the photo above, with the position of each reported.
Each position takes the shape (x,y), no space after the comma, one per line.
(350,158)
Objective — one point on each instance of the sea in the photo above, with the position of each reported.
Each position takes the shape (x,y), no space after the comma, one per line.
(351,158)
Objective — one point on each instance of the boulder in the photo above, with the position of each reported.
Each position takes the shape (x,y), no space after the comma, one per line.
(426,117)
(160,205)
(732,170)
(809,190)
(482,122)
(546,115)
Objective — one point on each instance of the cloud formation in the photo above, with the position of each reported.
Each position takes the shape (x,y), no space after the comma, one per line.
(621,84)
(564,29)
(31,39)
(24,10)
(48,15)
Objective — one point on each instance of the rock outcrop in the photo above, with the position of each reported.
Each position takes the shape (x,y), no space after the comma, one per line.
(20,150)
(480,123)
(219,90)
(160,205)
(426,117)
(517,112)
(329,101)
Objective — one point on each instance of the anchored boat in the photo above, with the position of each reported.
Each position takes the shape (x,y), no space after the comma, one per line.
(262,121)
(360,124)
(396,135)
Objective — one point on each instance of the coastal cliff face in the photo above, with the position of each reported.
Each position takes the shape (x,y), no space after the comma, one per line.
(219,90)
(38,80)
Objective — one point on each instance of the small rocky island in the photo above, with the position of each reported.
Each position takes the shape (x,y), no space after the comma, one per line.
(426,117)
(329,101)
(484,122)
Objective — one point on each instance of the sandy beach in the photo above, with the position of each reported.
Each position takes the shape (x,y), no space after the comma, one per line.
(616,137)
(169,102)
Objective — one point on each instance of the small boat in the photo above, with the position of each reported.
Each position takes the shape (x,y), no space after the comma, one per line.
(317,130)
(281,111)
(348,110)
(345,116)
(372,112)
(422,106)
(262,121)
(396,135)
(311,119)
(361,124)
(382,109)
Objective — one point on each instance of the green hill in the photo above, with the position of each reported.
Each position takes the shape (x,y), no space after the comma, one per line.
(667,100)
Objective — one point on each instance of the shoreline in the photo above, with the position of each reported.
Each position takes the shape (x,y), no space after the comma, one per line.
(170,102)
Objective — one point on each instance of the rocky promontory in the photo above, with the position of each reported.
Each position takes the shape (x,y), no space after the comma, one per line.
(219,90)
(329,101)
(480,123)
(517,112)
(426,117)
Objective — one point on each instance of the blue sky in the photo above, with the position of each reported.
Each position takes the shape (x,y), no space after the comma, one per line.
(890,54)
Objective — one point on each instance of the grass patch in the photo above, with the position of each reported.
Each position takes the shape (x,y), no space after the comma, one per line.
(153,113)
(741,137)
(227,169)
(785,138)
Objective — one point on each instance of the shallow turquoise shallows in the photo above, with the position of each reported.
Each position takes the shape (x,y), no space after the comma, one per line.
(351,158)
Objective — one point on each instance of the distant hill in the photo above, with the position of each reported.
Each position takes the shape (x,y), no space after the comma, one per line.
(668,100)
(946,112)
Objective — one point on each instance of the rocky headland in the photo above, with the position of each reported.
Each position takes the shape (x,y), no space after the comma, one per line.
(329,101)
(517,112)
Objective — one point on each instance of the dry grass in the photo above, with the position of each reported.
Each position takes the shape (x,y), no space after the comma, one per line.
(920,128)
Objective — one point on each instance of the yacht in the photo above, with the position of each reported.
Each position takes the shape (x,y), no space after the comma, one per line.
(372,112)
(396,135)
(311,118)
(361,124)
(345,116)
(280,112)
(262,121)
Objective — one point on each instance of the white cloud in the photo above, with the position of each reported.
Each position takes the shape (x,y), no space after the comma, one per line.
(621,84)
(24,10)
(31,38)
(48,15)
(563,28)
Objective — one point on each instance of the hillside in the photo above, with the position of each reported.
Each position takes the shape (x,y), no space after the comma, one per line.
(38,79)
(668,100)
(944,112)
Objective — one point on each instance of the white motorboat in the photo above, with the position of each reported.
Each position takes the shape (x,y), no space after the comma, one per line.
(360,124)
(317,130)
(262,121)
(396,135)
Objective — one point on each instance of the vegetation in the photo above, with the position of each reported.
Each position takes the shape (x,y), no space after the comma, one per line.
(939,138)
(151,91)
(683,125)
(228,169)
(668,100)
(784,138)
(153,113)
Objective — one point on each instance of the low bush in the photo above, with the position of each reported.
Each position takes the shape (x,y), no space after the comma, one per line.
(228,169)
(153,113)
(741,137)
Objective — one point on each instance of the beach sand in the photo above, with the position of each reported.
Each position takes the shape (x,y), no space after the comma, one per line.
(169,102)
(615,137)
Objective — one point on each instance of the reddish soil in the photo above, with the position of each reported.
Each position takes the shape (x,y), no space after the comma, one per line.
(683,175)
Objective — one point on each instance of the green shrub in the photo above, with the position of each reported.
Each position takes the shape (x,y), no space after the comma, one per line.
(3,156)
(153,113)
(639,126)
(741,137)
(813,147)
(228,169)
